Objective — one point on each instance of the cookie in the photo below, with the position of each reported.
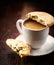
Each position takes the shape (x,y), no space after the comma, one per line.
(41,17)
(19,47)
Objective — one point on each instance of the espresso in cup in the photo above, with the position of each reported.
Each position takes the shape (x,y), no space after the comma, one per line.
(31,24)
(34,33)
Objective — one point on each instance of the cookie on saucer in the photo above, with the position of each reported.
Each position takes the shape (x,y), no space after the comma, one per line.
(19,47)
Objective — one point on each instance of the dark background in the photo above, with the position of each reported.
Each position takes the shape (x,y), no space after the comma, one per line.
(10,12)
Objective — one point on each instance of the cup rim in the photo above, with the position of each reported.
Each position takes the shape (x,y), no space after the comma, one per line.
(33,29)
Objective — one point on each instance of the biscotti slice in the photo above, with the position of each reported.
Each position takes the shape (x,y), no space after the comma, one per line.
(19,47)
(41,17)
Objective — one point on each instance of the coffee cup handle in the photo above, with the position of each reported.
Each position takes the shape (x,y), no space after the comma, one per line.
(19,25)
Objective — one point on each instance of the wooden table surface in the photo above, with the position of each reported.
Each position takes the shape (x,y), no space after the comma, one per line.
(9,14)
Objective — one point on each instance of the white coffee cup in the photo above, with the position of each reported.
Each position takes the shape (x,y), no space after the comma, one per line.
(35,38)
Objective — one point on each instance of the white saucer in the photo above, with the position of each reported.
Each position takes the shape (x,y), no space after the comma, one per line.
(48,46)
